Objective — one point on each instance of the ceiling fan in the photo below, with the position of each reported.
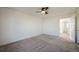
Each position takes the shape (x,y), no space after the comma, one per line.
(43,10)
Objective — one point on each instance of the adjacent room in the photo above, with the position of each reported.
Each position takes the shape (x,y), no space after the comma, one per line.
(39,29)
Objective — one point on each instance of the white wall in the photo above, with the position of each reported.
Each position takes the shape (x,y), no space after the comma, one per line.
(15,26)
(51,26)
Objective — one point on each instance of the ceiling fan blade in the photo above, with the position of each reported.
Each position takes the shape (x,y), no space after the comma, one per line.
(46,12)
(46,8)
(42,9)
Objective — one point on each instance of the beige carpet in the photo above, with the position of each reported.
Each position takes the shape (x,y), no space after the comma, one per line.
(41,43)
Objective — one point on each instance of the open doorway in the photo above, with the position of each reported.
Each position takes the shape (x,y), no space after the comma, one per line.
(67,29)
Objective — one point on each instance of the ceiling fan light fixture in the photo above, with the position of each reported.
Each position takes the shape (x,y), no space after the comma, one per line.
(42,12)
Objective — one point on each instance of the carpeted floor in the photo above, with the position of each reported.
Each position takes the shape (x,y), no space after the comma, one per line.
(41,43)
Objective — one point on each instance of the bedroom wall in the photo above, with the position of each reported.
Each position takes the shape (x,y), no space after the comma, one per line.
(51,26)
(15,26)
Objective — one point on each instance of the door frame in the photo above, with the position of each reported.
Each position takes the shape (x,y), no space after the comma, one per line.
(75,29)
